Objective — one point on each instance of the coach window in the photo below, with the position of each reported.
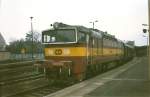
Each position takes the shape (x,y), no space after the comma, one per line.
(114,45)
(95,43)
(109,43)
(104,42)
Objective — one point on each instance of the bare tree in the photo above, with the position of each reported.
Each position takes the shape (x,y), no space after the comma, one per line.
(36,36)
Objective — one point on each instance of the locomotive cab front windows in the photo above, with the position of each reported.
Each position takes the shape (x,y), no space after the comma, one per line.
(53,39)
(59,36)
(47,38)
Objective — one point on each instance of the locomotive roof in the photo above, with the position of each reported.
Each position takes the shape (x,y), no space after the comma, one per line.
(57,25)
(109,36)
(93,32)
(130,46)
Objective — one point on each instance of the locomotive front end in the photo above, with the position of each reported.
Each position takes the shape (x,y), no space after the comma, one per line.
(64,56)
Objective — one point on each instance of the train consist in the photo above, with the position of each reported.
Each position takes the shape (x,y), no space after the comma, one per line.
(77,52)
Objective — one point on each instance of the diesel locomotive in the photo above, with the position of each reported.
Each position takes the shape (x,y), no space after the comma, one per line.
(73,51)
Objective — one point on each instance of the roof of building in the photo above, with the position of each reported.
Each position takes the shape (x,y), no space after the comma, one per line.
(2,43)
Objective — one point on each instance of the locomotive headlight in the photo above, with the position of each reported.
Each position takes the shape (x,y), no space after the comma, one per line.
(66,51)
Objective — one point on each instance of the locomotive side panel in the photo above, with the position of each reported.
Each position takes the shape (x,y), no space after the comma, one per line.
(112,48)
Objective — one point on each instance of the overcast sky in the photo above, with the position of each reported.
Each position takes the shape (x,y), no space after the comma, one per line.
(122,18)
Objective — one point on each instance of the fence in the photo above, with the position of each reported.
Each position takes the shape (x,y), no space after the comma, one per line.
(26,56)
(4,55)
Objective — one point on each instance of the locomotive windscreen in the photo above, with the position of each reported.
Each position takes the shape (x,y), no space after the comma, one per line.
(59,36)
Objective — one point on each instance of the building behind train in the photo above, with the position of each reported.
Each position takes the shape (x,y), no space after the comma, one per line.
(4,55)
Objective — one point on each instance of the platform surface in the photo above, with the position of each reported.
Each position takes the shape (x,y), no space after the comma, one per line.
(129,80)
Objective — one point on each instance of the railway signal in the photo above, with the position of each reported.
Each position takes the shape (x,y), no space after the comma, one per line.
(144,30)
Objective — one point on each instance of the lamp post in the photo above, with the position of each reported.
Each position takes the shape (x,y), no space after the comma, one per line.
(145,30)
(94,23)
(32,36)
(149,40)
(147,50)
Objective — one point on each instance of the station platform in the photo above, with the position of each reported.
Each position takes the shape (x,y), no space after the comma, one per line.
(129,80)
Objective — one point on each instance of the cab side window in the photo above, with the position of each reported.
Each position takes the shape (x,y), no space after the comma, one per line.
(81,37)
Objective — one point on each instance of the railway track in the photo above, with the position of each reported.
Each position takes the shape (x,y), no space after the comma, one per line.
(13,87)
(16,70)
(43,91)
(19,77)
(39,92)
(22,80)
